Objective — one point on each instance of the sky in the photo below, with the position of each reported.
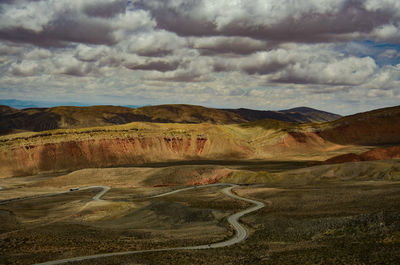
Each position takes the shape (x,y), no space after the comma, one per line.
(341,56)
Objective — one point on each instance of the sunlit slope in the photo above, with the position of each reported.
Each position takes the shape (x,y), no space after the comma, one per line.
(135,143)
(145,142)
(138,143)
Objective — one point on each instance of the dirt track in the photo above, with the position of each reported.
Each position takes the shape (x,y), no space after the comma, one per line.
(241,232)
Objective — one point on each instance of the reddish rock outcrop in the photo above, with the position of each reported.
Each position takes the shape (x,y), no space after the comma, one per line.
(213,178)
(71,155)
(382,154)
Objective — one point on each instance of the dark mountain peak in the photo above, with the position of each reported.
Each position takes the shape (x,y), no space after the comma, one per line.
(302,109)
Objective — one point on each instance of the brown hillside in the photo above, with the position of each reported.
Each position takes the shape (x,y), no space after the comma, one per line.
(188,114)
(298,115)
(138,143)
(311,115)
(42,119)
(376,127)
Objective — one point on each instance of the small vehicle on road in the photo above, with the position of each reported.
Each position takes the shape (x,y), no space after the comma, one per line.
(73,189)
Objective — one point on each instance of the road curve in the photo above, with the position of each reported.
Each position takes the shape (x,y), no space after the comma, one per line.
(98,196)
(241,232)
(95,198)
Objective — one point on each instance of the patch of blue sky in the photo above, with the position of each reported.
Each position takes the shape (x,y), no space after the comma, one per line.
(382,53)
(130,5)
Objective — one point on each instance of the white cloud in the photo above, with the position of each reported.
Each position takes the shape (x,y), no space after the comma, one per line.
(25,68)
(90,54)
(38,54)
(155,43)
(68,65)
(128,23)
(389,54)
(33,16)
(387,32)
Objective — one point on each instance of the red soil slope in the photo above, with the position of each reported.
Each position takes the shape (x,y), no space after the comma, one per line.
(102,152)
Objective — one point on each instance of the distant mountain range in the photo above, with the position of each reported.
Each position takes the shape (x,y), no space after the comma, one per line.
(23,104)
(40,119)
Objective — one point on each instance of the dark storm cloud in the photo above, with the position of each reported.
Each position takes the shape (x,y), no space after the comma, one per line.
(61,32)
(231,45)
(176,17)
(352,17)
(299,80)
(154,52)
(190,18)
(249,67)
(59,23)
(161,66)
(105,9)
(59,29)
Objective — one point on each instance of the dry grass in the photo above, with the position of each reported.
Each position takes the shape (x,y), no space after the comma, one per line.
(312,216)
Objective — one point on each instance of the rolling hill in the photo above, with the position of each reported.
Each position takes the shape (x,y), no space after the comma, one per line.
(152,142)
(299,115)
(66,117)
(377,127)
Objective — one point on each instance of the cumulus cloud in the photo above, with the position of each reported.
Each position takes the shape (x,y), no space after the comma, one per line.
(38,54)
(68,65)
(59,22)
(155,43)
(9,49)
(26,68)
(90,54)
(146,64)
(235,51)
(188,71)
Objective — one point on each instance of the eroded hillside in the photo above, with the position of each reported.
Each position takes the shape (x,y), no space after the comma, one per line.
(138,143)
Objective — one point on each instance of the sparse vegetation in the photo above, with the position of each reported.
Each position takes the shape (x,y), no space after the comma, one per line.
(309,219)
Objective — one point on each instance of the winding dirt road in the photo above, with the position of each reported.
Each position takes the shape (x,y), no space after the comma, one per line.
(95,198)
(241,232)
